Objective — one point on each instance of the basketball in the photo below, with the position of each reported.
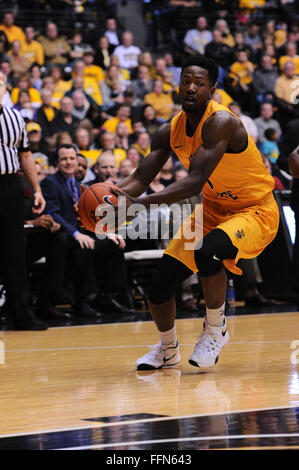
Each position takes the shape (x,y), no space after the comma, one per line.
(90,199)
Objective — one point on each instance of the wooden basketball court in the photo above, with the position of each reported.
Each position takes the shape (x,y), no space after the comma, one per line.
(77,388)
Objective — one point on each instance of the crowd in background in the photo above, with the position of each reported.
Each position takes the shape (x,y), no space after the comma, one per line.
(108,96)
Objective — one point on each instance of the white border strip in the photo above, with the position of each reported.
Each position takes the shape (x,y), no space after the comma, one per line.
(181,439)
(148,420)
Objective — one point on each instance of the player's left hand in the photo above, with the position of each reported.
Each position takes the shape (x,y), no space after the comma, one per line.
(39,203)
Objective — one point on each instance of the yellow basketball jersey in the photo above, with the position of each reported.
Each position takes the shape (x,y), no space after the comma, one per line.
(239,180)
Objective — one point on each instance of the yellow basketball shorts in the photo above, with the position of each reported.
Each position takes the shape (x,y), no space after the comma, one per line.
(250,230)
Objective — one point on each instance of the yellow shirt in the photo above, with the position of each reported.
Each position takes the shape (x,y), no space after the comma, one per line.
(95,72)
(33,51)
(241,70)
(13,33)
(283,89)
(142,152)
(226,99)
(162,104)
(280,37)
(239,180)
(112,123)
(52,46)
(91,87)
(33,93)
(285,58)
(91,156)
(61,87)
(49,112)
(251,4)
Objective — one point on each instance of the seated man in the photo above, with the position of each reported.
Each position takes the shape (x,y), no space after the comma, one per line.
(62,191)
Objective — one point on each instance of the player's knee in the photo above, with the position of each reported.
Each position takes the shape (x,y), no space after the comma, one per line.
(206,263)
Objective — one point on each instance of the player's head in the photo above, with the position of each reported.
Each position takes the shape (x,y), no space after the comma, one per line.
(198,82)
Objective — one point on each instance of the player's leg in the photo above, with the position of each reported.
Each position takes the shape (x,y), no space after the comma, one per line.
(163,310)
(216,247)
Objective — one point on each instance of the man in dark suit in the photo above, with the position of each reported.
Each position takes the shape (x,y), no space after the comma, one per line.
(61,192)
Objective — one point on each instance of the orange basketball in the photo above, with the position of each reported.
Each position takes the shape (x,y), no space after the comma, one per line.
(89,201)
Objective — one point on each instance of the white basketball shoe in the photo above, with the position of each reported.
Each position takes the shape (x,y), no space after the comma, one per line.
(160,356)
(209,345)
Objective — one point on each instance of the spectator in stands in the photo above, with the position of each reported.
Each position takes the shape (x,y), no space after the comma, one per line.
(161,102)
(249,124)
(122,115)
(82,108)
(269,147)
(11,31)
(56,49)
(146,58)
(219,52)
(122,136)
(134,157)
(127,52)
(143,144)
(252,37)
(195,40)
(64,120)
(264,79)
(241,46)
(112,87)
(103,52)
(90,85)
(24,84)
(46,112)
(108,142)
(3,47)
(227,37)
(35,77)
(143,84)
(176,71)
(91,70)
(36,145)
(265,121)
(23,101)
(5,67)
(19,64)
(84,141)
(112,33)
(291,56)
(61,87)
(285,91)
(107,166)
(31,49)
(149,120)
(241,72)
(125,168)
(77,47)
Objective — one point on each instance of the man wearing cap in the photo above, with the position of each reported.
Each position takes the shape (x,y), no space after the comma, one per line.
(34,133)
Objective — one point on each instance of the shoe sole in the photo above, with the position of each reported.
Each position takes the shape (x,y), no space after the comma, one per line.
(193,363)
(149,367)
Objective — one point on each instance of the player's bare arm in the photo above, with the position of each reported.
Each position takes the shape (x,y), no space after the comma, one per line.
(216,134)
(137,183)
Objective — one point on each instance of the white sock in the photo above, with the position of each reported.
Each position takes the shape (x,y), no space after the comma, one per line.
(215,316)
(168,337)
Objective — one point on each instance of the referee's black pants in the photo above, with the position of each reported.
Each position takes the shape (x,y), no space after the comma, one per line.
(12,249)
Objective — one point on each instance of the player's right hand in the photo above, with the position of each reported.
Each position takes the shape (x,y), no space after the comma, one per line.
(85,241)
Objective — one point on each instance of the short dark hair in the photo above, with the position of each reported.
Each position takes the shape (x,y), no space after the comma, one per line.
(269,133)
(66,146)
(204,63)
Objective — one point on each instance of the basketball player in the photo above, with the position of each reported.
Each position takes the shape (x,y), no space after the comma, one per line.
(240,216)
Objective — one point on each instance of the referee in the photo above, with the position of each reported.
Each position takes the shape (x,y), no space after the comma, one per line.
(14,154)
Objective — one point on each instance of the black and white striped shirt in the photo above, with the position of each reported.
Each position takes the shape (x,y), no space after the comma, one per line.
(13,139)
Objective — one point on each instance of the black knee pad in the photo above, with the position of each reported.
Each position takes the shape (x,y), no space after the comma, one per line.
(216,246)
